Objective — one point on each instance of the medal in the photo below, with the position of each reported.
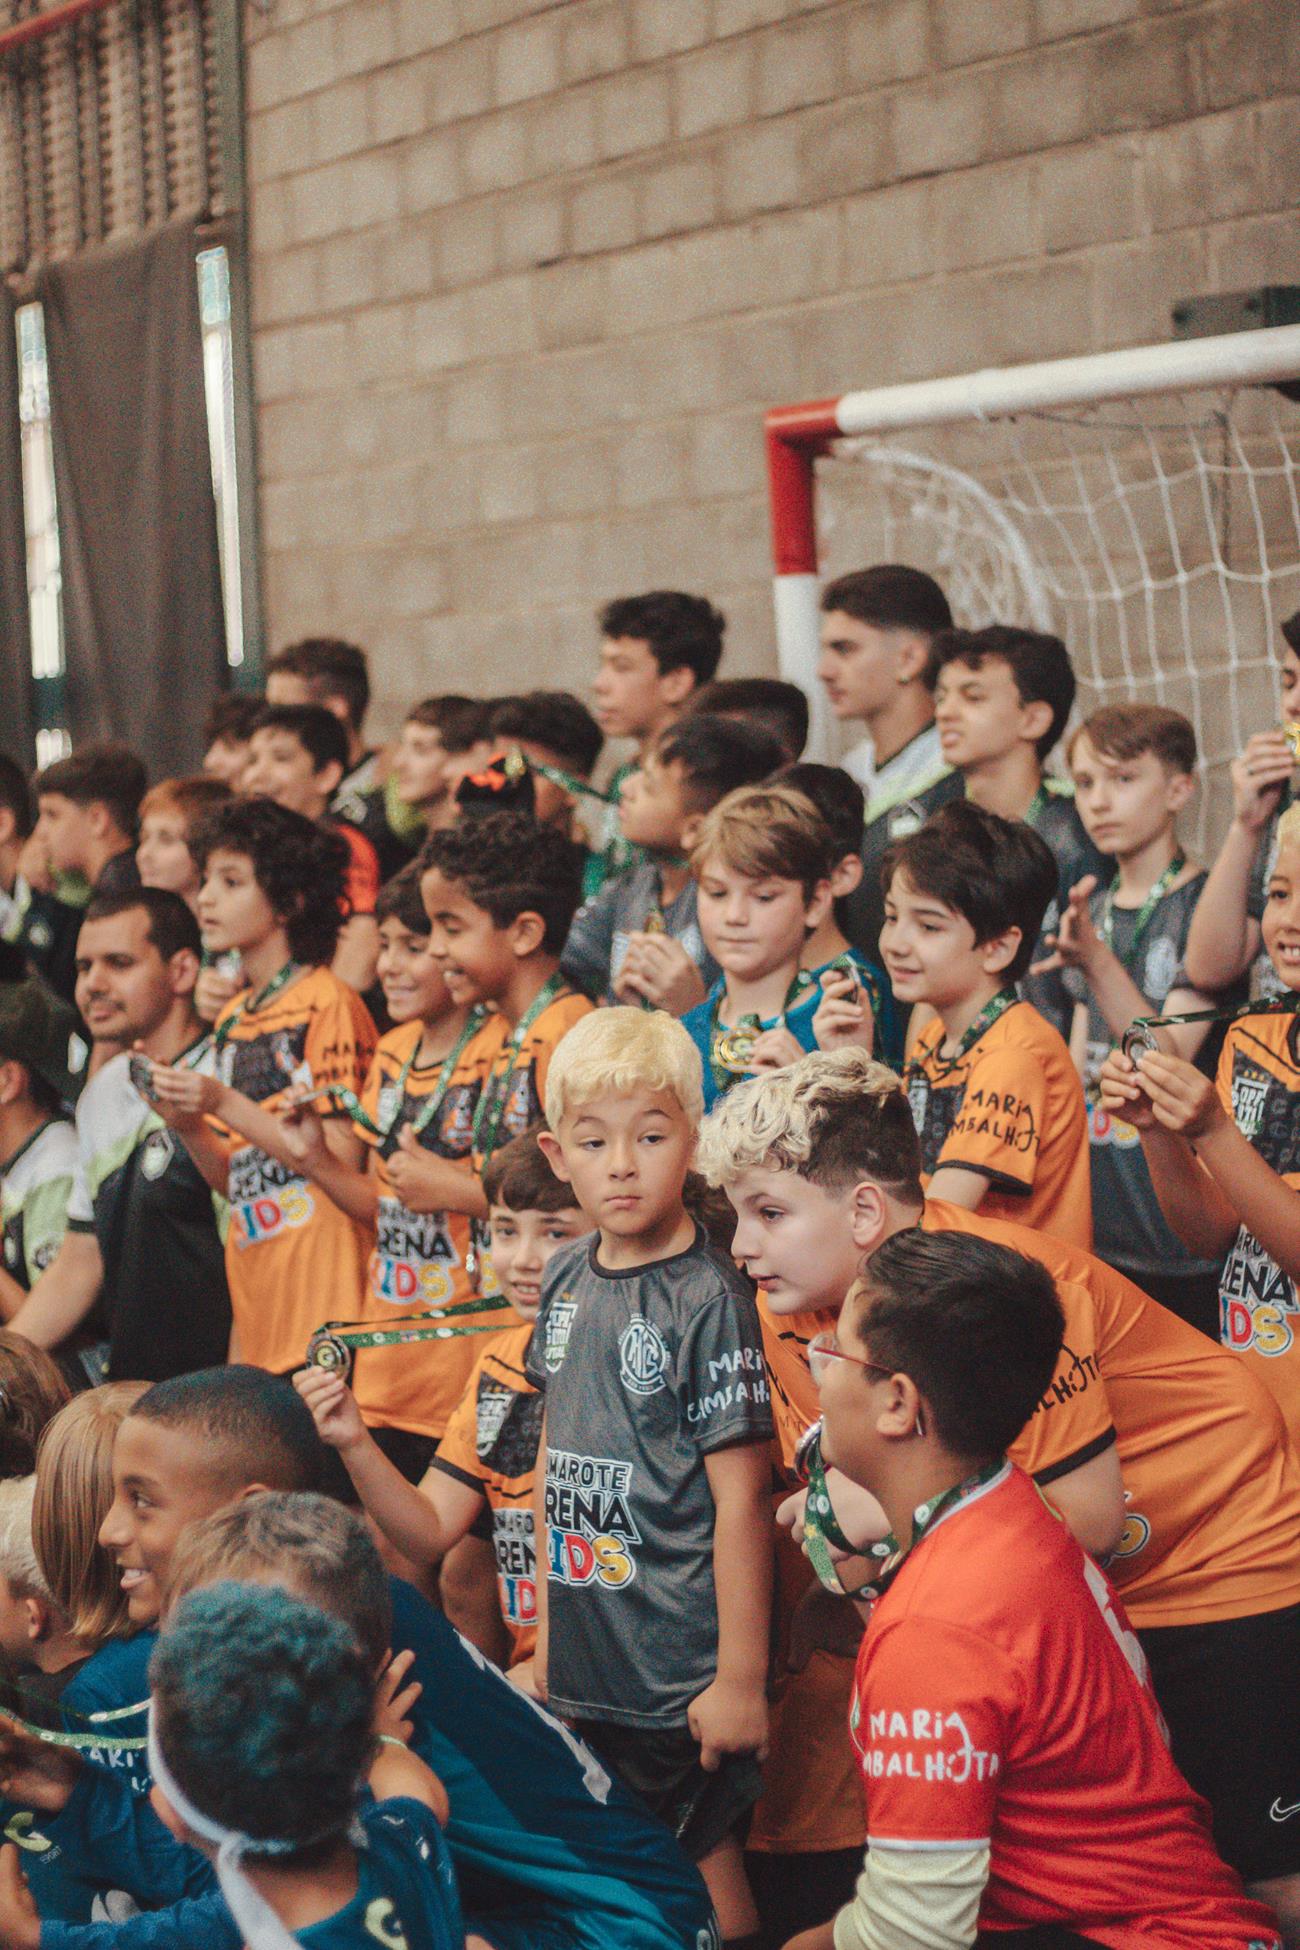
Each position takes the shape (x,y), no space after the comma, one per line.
(654,923)
(1137,1041)
(1291,732)
(733,1049)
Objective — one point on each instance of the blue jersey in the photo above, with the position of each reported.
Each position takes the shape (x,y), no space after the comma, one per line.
(550,1853)
(406,1890)
(115,1681)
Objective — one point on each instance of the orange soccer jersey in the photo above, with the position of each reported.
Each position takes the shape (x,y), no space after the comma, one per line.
(491,1445)
(1011,1107)
(293,1259)
(419,1258)
(1213,1484)
(1259,1306)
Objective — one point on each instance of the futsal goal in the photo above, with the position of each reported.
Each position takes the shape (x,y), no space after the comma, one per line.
(1143,504)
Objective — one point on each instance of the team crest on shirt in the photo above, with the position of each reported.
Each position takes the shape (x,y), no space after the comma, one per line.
(490,1412)
(156,1154)
(642,1357)
(384,1924)
(1160,967)
(1249,1101)
(390,1102)
(905,820)
(556,1329)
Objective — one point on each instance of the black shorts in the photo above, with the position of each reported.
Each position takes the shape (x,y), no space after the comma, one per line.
(661,1765)
(1230,1696)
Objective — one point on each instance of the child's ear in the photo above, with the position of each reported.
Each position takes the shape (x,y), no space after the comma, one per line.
(819,906)
(526,934)
(912,655)
(38,1618)
(549,1146)
(1179,790)
(677,685)
(11,1081)
(867,1215)
(847,875)
(183,970)
(329,778)
(1035,720)
(1000,951)
(691,831)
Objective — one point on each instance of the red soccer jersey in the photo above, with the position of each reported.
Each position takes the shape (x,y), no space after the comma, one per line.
(1002,1698)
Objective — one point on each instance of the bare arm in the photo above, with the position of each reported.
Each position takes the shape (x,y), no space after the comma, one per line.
(12,1296)
(959,1186)
(730,1716)
(1224,939)
(305,1137)
(1091,1500)
(65,1292)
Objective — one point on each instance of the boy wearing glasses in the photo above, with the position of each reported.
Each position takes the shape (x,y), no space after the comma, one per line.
(1013,1760)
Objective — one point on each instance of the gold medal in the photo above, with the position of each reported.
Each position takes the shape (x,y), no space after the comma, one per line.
(329,1352)
(734,1051)
(656,924)
(1291,732)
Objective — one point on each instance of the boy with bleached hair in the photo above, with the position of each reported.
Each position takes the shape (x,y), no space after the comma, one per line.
(655,1523)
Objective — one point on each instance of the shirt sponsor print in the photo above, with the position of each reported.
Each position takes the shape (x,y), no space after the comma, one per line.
(414,1259)
(266,1198)
(1258,1304)
(514,1547)
(590,1528)
(740,1376)
(922,1745)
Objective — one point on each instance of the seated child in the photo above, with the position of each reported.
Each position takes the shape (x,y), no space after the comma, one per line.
(766,702)
(1198,1510)
(414,1115)
(272,885)
(639,938)
(548,1847)
(997,1100)
(226,734)
(839,967)
(38,1144)
(1002,1713)
(261,1733)
(441,740)
(1134,768)
(89,803)
(501,892)
(561,741)
(484,1464)
(1224,943)
(1224,1156)
(1002,698)
(762,861)
(653,1621)
(169,815)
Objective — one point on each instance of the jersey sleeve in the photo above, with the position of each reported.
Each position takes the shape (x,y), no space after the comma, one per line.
(589,949)
(935,1715)
(81,1210)
(45,1220)
(722,1380)
(457,1453)
(999,1127)
(340,1042)
(1223,1074)
(1073,1422)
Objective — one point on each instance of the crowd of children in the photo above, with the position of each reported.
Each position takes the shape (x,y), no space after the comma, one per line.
(701,1352)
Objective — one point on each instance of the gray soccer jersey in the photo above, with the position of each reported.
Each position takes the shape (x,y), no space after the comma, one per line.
(645,1374)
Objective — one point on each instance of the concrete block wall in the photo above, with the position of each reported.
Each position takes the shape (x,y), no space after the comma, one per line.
(525,275)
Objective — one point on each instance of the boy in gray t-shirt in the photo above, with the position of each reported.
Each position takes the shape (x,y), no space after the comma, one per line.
(655,1521)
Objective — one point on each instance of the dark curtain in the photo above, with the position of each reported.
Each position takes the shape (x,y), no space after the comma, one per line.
(17,733)
(137,520)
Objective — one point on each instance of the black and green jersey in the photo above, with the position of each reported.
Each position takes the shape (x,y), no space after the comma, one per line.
(35,1187)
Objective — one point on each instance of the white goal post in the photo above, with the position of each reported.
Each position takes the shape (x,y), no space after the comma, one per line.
(1144,504)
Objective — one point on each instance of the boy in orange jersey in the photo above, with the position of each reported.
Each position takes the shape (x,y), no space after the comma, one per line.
(487,1457)
(273,891)
(997,1100)
(500,892)
(1203,1528)
(1017,1782)
(1224,1157)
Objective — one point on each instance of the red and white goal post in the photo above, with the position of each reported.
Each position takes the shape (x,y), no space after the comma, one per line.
(1144,504)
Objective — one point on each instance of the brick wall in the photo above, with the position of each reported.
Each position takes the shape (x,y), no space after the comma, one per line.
(525,275)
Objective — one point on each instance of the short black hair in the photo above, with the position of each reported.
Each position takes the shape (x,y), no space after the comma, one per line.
(890,596)
(333,668)
(996,873)
(557,720)
(399,900)
(1290,628)
(459,721)
(717,755)
(14,795)
(105,775)
(509,865)
(778,707)
(518,1176)
(230,718)
(172,926)
(837,796)
(299,865)
(977,1327)
(317,730)
(683,632)
(258,1421)
(1039,664)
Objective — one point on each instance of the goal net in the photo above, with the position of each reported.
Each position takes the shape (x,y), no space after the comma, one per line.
(1158,535)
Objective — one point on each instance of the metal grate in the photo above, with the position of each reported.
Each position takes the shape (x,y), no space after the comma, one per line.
(108,126)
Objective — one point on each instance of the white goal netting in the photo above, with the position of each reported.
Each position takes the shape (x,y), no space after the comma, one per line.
(1159,537)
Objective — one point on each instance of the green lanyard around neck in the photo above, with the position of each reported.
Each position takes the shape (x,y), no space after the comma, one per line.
(994,1008)
(486,1126)
(277,984)
(1154,897)
(433,1103)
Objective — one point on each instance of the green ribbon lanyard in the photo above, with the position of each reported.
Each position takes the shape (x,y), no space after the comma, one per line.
(333,1345)
(486,1127)
(1154,897)
(821,1530)
(1138,1038)
(432,1104)
(280,980)
(85,1742)
(580,788)
(994,1008)
(731,1045)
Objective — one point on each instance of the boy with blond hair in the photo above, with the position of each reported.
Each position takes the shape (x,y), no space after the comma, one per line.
(655,1525)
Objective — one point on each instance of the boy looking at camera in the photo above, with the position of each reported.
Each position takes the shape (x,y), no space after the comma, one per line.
(656,1524)
(996,1097)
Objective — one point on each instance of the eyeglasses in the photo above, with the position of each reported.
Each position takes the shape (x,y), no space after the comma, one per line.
(822,1351)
